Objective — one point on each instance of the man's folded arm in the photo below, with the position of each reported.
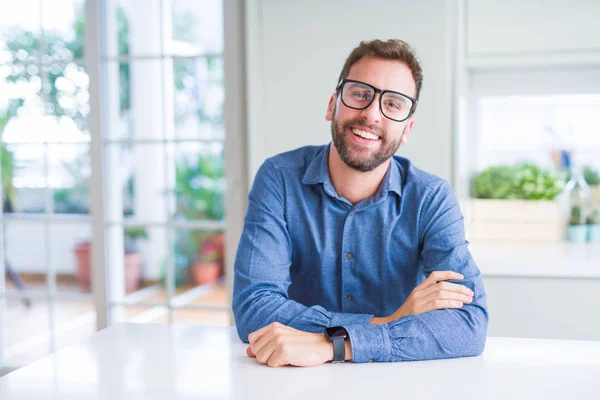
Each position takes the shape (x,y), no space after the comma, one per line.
(262,267)
(437,334)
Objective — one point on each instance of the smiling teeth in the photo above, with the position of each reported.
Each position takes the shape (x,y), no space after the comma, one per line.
(365,135)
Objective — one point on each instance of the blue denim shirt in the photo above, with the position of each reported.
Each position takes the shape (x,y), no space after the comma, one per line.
(309,259)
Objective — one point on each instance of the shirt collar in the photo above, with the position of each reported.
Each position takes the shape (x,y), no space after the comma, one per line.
(392,181)
(318,172)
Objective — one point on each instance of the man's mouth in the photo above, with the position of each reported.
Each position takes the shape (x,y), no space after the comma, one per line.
(365,135)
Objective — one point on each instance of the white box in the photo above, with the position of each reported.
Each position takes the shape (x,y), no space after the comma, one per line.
(536,221)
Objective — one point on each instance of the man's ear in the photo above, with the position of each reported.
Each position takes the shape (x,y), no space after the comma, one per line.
(407,130)
(331,107)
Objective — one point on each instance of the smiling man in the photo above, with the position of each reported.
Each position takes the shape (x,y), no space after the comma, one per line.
(349,252)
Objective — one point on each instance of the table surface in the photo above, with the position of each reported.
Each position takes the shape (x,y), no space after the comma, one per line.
(143,361)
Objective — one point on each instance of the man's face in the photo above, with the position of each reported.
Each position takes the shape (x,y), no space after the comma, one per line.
(366,154)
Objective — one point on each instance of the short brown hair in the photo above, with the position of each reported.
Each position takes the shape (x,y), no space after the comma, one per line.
(392,49)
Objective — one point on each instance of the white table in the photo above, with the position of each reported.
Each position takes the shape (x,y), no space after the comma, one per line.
(135,361)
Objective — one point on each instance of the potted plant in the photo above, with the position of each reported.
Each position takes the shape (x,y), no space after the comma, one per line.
(592,178)
(8,189)
(133,260)
(207,267)
(577,230)
(8,168)
(199,193)
(74,199)
(516,203)
(593,222)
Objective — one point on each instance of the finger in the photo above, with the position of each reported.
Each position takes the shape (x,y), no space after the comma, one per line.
(254,336)
(442,304)
(277,331)
(447,286)
(437,276)
(446,295)
(265,353)
(249,352)
(278,358)
(257,346)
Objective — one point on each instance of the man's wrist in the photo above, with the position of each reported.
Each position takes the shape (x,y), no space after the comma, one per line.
(348,347)
(380,320)
(328,349)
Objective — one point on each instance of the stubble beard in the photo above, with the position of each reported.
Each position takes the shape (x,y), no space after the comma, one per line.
(362,159)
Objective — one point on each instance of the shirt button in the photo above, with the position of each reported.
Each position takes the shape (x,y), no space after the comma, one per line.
(349,297)
(349,256)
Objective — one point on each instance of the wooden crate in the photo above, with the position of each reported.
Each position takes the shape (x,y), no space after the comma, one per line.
(516,221)
(595,189)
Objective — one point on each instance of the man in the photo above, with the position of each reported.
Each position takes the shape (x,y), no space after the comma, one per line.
(338,239)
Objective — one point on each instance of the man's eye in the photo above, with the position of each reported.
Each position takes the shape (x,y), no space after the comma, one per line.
(393,105)
(361,95)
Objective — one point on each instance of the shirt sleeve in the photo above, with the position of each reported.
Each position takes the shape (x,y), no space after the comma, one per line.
(445,333)
(262,267)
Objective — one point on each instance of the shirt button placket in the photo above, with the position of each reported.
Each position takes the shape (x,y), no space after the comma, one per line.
(347,258)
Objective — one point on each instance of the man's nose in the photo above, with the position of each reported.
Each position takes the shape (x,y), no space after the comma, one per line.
(373,112)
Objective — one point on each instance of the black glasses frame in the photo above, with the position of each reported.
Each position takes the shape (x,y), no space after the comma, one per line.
(340,89)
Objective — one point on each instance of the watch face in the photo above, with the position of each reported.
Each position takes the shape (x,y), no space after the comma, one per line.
(336,332)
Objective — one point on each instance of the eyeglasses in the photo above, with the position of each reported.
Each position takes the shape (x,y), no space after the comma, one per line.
(359,95)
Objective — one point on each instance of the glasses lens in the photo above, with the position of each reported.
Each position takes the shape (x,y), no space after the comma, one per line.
(395,106)
(357,95)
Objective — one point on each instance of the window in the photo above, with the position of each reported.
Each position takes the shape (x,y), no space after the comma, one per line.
(528,113)
(44,142)
(163,143)
(536,128)
(162,137)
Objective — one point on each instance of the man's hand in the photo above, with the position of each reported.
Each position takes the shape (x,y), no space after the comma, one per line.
(277,345)
(432,294)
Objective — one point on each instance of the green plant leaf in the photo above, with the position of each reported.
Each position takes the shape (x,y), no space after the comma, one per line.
(525,181)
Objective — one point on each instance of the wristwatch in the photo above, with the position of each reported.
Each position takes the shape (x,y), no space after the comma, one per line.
(337,335)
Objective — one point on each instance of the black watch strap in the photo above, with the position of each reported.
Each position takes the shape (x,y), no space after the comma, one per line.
(339,350)
(337,335)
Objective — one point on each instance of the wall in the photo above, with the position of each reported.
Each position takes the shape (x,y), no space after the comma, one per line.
(544,307)
(516,27)
(536,47)
(297,49)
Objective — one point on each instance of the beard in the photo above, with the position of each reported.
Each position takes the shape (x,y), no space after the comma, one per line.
(360,158)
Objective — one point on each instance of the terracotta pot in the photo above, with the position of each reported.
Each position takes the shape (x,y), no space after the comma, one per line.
(83,255)
(205,273)
(218,240)
(133,268)
(133,271)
